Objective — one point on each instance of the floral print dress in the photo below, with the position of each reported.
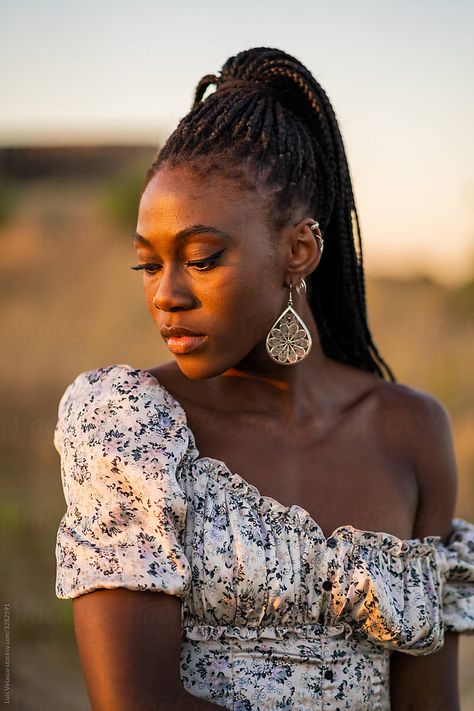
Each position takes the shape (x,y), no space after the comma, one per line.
(274,614)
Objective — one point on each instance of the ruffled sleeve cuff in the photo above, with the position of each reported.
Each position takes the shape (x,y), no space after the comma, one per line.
(458,574)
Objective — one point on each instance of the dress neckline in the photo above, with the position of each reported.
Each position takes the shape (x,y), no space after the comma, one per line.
(350,531)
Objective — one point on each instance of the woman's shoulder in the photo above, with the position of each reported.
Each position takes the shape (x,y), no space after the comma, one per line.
(411,417)
(418,428)
(119,397)
(399,414)
(414,402)
(387,399)
(119,381)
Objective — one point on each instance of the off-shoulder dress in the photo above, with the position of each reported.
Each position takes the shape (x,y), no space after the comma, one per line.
(274,614)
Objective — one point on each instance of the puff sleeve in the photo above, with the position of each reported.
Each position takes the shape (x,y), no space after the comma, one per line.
(120,442)
(458,569)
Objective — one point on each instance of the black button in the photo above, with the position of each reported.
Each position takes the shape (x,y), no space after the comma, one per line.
(328,674)
(332,543)
(327,585)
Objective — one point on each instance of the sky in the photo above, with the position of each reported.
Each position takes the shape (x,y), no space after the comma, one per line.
(398,74)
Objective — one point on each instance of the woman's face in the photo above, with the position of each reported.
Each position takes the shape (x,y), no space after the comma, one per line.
(233,298)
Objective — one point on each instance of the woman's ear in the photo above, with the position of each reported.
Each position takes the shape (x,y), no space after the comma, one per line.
(304,250)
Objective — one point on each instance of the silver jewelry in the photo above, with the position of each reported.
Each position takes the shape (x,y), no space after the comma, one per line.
(314,227)
(288,340)
(301,287)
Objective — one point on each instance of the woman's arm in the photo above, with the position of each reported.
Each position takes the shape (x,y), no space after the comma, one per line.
(430,681)
(426,682)
(129,644)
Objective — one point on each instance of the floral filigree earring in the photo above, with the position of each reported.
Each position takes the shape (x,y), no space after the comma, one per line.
(289,340)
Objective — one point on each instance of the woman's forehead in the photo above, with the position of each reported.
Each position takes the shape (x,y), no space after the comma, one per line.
(177,195)
(195,181)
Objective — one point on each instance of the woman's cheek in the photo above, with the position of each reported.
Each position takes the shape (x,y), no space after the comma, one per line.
(241,314)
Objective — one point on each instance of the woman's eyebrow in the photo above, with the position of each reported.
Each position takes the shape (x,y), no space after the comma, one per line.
(187,232)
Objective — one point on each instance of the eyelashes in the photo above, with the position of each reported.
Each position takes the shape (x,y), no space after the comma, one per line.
(201,265)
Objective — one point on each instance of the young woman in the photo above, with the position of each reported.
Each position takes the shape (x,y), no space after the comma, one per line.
(266,520)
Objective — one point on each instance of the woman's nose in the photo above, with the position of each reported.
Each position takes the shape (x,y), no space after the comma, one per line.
(172,292)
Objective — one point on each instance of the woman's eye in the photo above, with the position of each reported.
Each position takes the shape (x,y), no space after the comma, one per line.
(204,265)
(151,268)
(148,268)
(201,265)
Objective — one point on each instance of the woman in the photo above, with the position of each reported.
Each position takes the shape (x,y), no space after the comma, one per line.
(265,521)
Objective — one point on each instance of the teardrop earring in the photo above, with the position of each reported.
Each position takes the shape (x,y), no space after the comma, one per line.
(289,340)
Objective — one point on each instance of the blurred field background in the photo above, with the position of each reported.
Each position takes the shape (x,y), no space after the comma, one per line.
(70,303)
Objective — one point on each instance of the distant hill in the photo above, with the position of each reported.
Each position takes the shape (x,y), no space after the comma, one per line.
(23,163)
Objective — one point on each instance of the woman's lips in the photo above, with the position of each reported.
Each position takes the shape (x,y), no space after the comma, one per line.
(184,344)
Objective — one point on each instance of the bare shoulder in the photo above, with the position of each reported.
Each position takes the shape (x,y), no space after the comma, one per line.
(404,416)
(417,412)
(419,426)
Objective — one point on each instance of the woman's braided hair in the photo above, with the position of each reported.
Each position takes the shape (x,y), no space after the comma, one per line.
(270,123)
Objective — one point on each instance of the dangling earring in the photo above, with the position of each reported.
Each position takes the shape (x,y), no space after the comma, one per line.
(289,340)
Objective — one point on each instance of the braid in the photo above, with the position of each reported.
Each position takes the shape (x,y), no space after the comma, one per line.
(281,127)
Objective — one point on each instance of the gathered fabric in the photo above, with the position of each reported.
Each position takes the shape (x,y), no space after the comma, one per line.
(274,614)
